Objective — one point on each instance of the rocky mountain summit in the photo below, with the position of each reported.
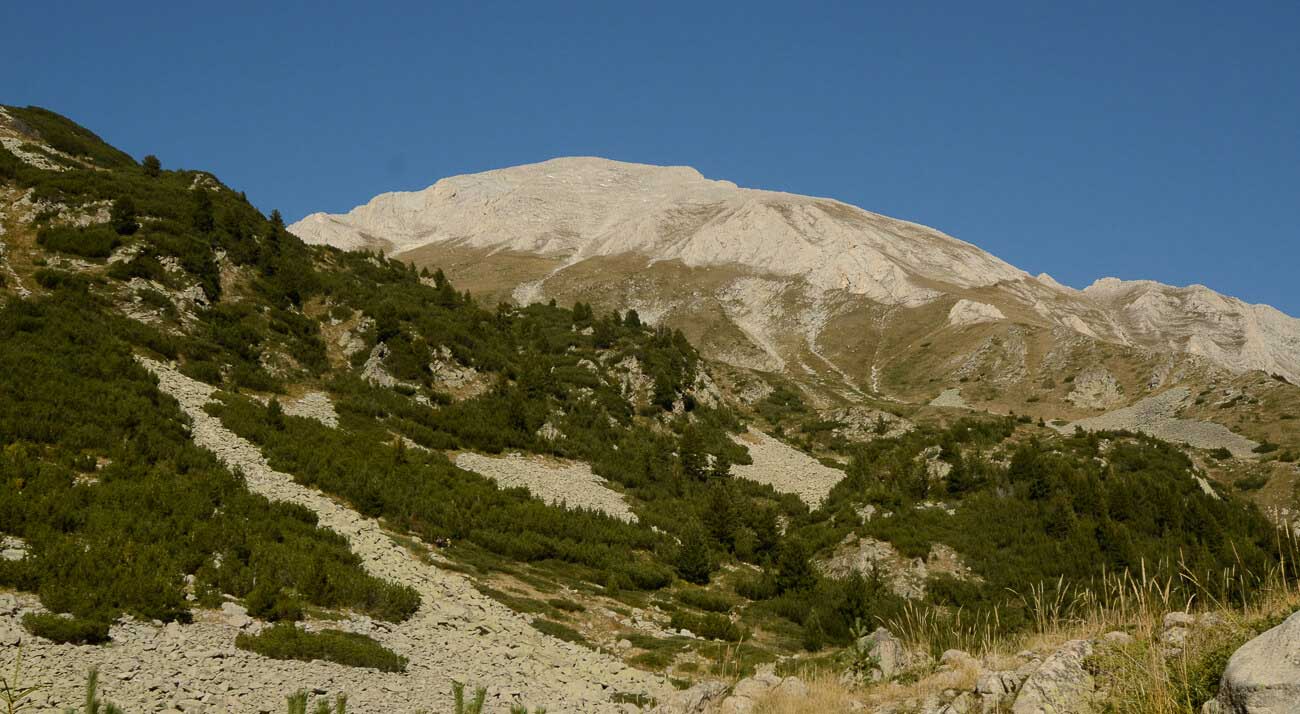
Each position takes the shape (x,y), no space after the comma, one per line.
(773,263)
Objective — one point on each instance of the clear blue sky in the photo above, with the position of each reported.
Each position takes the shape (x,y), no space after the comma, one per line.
(1082,139)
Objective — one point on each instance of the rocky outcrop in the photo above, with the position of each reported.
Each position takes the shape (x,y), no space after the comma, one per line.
(1060,685)
(905,577)
(694,700)
(969,312)
(748,692)
(1263,676)
(1096,389)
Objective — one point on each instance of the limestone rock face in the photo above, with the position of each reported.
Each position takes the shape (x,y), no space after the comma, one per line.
(1060,685)
(1263,676)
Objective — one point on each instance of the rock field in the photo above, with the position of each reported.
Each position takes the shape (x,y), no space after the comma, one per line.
(567,483)
(1155,416)
(785,468)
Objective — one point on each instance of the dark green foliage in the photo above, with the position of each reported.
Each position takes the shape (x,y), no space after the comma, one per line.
(152,166)
(694,562)
(1253,482)
(423,492)
(1220,453)
(70,138)
(161,508)
(1057,511)
(472,706)
(287,641)
(8,164)
(122,216)
(565,605)
(713,626)
(706,600)
(95,241)
(66,630)
(559,631)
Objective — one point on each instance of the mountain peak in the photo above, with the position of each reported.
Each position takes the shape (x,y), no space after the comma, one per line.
(582,207)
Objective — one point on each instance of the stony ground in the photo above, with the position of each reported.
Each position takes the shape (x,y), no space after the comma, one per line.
(1155,416)
(458,633)
(560,483)
(785,468)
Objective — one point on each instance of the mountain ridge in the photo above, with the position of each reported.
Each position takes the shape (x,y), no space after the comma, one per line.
(572,209)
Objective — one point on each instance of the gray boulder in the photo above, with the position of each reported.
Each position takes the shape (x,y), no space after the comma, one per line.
(695,700)
(1060,685)
(1263,676)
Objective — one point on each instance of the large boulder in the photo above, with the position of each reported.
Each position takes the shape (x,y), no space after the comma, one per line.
(1060,685)
(695,700)
(749,691)
(890,656)
(1263,676)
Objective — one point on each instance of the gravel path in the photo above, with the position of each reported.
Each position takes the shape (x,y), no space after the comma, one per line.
(457,634)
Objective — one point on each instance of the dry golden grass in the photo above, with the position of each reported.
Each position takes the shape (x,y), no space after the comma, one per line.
(825,694)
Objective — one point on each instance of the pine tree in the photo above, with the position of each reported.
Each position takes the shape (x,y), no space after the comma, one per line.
(152,166)
(632,320)
(694,563)
(203,217)
(122,216)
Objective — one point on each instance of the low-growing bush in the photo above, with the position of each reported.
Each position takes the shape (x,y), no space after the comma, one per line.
(712,626)
(287,641)
(97,241)
(704,600)
(66,630)
(561,632)
(560,603)
(1253,482)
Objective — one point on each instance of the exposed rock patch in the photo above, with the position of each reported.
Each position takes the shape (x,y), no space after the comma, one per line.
(1096,389)
(905,576)
(560,483)
(968,312)
(314,405)
(1155,416)
(950,397)
(785,468)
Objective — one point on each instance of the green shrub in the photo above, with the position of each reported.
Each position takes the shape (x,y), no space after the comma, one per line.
(711,626)
(707,600)
(566,605)
(559,631)
(95,241)
(1253,482)
(70,138)
(66,630)
(287,641)
(1220,453)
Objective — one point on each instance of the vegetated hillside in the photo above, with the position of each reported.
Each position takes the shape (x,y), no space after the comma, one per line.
(106,260)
